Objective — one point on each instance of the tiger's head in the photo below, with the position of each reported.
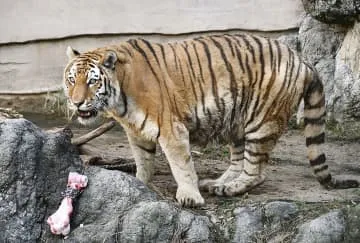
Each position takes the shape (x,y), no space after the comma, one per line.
(93,80)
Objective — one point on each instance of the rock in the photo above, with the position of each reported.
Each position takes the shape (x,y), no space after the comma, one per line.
(31,160)
(162,222)
(334,50)
(353,221)
(329,227)
(319,40)
(248,224)
(108,196)
(350,48)
(117,207)
(319,43)
(279,212)
(345,99)
(292,40)
(336,11)
(339,101)
(9,113)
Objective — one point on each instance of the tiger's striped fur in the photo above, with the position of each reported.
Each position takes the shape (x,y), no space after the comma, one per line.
(237,89)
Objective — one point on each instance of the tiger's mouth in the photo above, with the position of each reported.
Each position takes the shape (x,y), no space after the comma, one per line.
(87,114)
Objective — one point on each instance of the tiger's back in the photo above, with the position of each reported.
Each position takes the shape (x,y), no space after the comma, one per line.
(231,80)
(237,89)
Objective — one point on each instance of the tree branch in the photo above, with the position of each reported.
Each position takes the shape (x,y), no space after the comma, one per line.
(93,134)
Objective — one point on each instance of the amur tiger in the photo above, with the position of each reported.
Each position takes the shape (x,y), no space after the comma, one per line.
(236,89)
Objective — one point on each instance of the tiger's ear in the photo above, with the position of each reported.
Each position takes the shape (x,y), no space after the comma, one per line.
(110,59)
(71,53)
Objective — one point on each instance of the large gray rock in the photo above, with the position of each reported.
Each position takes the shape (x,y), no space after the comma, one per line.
(353,221)
(115,207)
(327,228)
(292,40)
(334,51)
(108,196)
(319,43)
(31,161)
(345,100)
(279,212)
(335,11)
(248,224)
(162,222)
(319,40)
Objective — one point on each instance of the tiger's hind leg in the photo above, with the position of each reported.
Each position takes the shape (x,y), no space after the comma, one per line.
(234,170)
(258,145)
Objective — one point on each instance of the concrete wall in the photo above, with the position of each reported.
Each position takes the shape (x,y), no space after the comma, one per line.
(35,33)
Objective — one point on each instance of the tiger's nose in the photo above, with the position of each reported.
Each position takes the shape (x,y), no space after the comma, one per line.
(78,103)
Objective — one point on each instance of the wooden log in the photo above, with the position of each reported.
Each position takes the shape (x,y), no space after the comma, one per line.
(9,113)
(126,165)
(94,133)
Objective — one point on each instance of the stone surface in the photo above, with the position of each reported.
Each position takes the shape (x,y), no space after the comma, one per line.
(319,43)
(319,40)
(31,161)
(345,100)
(279,212)
(162,222)
(108,196)
(327,228)
(353,221)
(335,11)
(73,18)
(292,40)
(129,212)
(349,52)
(248,224)
(115,206)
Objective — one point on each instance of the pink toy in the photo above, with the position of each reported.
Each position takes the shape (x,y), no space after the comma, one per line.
(59,222)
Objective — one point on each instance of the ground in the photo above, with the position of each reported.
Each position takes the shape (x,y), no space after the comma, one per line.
(289,175)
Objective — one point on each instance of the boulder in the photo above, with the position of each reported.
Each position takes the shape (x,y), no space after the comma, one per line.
(353,221)
(319,43)
(34,167)
(279,212)
(329,227)
(115,207)
(345,100)
(162,222)
(248,224)
(292,40)
(336,11)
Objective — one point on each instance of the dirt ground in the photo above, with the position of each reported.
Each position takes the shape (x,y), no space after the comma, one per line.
(289,176)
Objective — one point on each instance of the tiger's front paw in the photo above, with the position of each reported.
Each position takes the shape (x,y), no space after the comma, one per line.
(189,197)
(207,184)
(238,186)
(214,187)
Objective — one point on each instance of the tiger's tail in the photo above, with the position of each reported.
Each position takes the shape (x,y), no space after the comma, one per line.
(314,120)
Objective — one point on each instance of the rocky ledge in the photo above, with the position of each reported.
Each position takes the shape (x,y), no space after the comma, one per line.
(116,207)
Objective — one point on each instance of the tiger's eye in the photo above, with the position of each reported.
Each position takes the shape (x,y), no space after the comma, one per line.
(92,81)
(71,80)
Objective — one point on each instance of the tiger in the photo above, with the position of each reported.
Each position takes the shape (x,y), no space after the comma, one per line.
(239,90)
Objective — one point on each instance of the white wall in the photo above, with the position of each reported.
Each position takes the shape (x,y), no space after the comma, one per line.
(35,33)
